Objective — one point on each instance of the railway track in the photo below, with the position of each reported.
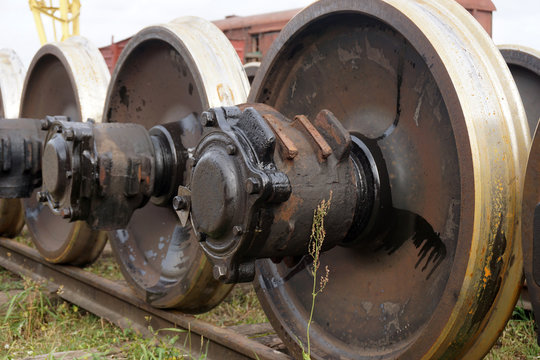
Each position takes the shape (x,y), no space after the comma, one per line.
(115,301)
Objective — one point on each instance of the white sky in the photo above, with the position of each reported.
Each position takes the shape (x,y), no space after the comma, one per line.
(515,21)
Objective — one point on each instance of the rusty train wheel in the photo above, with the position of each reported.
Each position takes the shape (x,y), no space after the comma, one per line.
(524,64)
(439,111)
(11,81)
(166,73)
(69,79)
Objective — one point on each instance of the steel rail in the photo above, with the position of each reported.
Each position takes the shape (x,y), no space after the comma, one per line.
(117,303)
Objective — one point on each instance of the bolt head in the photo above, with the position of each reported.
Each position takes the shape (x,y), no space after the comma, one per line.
(237,230)
(179,203)
(231,149)
(208,118)
(41,196)
(253,186)
(69,135)
(220,272)
(66,213)
(45,123)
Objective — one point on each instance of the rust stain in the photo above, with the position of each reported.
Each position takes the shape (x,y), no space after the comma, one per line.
(303,122)
(102,175)
(289,150)
(287,210)
(225,93)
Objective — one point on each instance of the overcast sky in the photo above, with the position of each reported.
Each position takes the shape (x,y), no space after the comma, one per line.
(515,21)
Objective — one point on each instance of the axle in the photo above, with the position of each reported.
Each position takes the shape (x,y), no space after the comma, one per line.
(248,188)
(21,142)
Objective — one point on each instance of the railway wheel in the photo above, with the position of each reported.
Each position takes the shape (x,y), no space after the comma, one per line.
(525,66)
(168,73)
(11,81)
(436,274)
(68,79)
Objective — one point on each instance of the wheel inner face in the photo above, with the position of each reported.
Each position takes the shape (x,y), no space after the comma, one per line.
(381,296)
(49,90)
(524,65)
(160,258)
(528,84)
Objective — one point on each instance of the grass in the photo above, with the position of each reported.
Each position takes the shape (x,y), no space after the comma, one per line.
(37,322)
(518,340)
(240,307)
(107,267)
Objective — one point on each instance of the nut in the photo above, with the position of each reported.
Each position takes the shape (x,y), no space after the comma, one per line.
(231,149)
(180,203)
(66,213)
(237,230)
(253,186)
(220,272)
(69,135)
(208,118)
(41,196)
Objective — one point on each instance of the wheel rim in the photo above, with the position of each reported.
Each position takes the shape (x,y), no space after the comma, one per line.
(379,313)
(11,81)
(524,64)
(70,79)
(193,61)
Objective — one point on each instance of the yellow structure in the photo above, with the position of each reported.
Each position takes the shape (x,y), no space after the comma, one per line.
(66,13)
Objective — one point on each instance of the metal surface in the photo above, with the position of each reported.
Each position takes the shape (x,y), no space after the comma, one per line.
(524,64)
(11,82)
(21,141)
(69,79)
(251,69)
(257,178)
(171,73)
(116,302)
(422,84)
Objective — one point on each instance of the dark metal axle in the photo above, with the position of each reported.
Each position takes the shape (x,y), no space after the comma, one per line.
(248,188)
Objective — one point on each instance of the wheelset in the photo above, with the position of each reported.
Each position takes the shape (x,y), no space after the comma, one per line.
(11,82)
(68,79)
(402,114)
(439,111)
(167,75)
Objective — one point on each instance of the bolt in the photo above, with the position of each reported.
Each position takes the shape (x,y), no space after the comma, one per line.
(208,118)
(220,272)
(237,230)
(179,203)
(46,123)
(66,213)
(42,196)
(253,186)
(69,135)
(231,149)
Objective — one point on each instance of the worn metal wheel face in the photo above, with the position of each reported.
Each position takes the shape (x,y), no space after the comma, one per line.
(11,82)
(70,79)
(166,73)
(524,64)
(430,95)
